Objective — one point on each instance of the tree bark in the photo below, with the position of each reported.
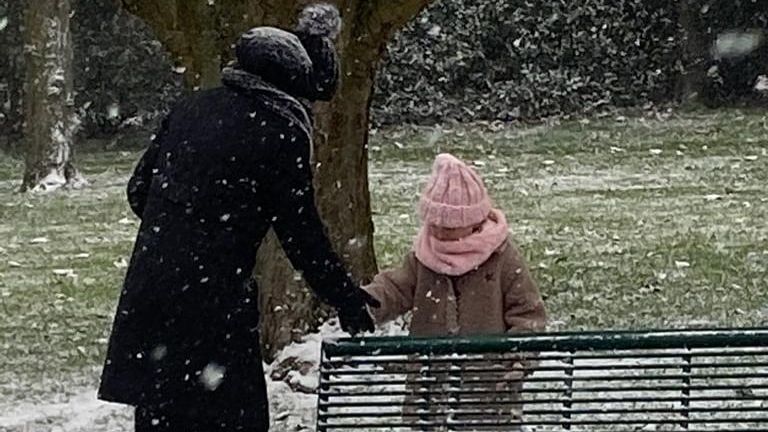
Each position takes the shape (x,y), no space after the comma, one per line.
(12,70)
(695,53)
(50,121)
(341,136)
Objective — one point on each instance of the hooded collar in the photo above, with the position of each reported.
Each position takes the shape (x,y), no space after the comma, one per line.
(291,108)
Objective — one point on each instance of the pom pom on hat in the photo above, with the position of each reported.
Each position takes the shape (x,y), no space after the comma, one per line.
(320,19)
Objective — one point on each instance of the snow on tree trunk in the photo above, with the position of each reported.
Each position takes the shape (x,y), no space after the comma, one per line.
(199,34)
(50,120)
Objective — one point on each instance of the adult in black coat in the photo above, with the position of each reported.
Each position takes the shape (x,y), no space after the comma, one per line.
(226,165)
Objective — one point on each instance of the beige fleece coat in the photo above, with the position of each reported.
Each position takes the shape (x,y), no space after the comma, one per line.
(500,296)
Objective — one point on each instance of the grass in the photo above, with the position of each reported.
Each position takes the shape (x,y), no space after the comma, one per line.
(640,222)
(629,223)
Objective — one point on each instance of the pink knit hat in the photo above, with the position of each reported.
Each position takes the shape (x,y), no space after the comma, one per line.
(455,196)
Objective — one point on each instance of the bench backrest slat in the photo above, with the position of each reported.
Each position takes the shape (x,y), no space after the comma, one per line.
(671,380)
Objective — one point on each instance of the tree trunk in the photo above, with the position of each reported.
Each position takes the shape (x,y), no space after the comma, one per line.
(48,97)
(695,53)
(12,70)
(341,158)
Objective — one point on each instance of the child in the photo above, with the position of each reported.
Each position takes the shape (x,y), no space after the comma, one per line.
(464,276)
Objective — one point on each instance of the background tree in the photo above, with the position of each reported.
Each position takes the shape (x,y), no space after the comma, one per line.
(50,120)
(199,35)
(696,45)
(11,74)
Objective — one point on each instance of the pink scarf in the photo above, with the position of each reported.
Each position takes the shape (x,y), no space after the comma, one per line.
(456,258)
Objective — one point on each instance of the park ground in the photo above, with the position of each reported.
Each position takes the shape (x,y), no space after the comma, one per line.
(650,221)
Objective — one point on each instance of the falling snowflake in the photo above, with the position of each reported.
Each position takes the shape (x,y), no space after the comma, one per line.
(113,111)
(159,352)
(737,44)
(761,84)
(212,376)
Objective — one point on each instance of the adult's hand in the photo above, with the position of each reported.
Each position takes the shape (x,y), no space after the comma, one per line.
(354,316)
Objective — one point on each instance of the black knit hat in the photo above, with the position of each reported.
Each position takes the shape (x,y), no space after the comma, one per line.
(278,57)
(302,63)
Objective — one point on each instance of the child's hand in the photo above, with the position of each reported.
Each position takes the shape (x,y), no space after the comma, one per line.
(512,378)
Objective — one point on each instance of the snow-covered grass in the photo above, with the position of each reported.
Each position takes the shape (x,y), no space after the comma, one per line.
(640,222)
(627,223)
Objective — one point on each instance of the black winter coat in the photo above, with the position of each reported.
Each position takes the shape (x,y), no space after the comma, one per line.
(227,164)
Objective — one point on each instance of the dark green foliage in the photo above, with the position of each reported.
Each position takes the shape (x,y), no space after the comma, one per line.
(459,60)
(510,59)
(123,75)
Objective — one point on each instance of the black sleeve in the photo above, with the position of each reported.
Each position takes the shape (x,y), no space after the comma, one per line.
(325,66)
(298,225)
(138,185)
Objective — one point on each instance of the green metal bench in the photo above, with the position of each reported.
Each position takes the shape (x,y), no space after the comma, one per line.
(689,380)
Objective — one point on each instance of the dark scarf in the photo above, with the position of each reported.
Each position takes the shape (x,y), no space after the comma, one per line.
(291,108)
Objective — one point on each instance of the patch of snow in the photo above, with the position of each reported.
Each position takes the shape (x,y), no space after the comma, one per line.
(64,272)
(53,181)
(79,412)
